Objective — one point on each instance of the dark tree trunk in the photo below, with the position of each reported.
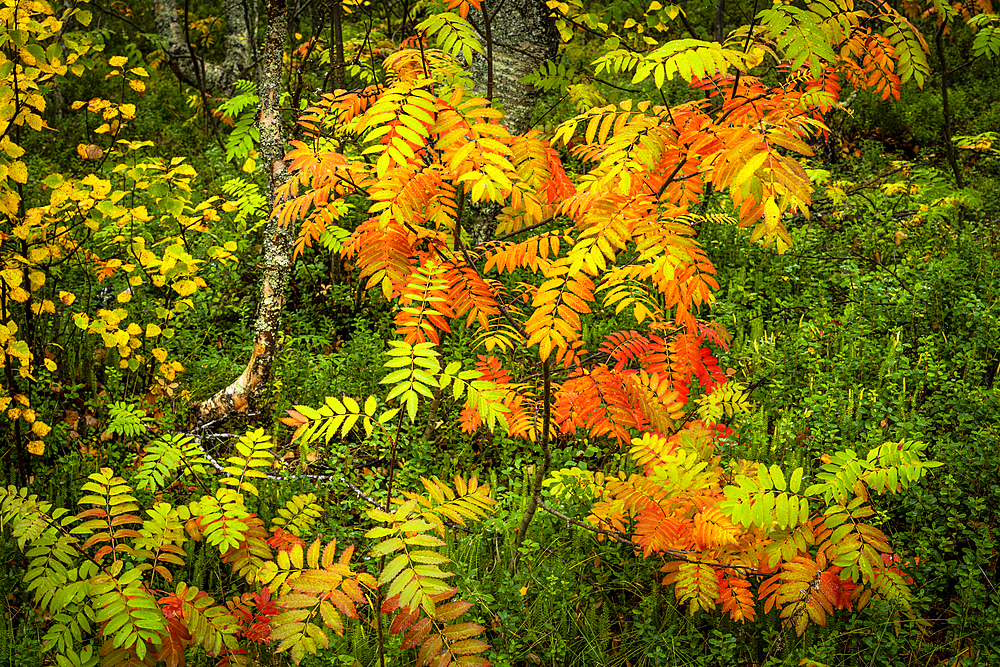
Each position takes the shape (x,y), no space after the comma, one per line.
(278,239)
(949,144)
(719,23)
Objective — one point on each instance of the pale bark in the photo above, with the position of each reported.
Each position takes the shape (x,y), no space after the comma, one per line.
(522,36)
(518,36)
(278,240)
(195,71)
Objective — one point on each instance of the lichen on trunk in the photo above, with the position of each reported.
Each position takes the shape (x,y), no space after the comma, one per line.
(278,240)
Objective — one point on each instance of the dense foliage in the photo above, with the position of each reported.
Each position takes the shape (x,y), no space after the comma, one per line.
(708,368)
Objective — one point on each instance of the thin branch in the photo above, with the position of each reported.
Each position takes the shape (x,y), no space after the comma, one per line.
(500,304)
(525,229)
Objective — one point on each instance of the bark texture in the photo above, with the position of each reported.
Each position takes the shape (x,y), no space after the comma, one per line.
(518,36)
(278,239)
(206,76)
(719,22)
(522,36)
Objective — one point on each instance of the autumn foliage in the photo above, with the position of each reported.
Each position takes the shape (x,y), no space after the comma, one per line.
(613,237)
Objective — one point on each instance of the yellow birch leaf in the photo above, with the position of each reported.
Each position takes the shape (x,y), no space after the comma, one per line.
(185,287)
(18,171)
(12,277)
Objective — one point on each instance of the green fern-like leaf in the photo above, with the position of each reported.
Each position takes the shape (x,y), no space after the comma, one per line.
(987,41)
(249,461)
(127,420)
(413,575)
(454,35)
(112,506)
(167,458)
(161,539)
(222,519)
(250,203)
(129,618)
(799,36)
(299,514)
(335,418)
(416,367)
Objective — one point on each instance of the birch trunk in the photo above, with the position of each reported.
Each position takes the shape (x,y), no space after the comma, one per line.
(518,36)
(278,239)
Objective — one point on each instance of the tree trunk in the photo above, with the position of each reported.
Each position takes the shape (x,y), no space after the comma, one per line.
(520,35)
(207,77)
(946,131)
(719,22)
(278,239)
